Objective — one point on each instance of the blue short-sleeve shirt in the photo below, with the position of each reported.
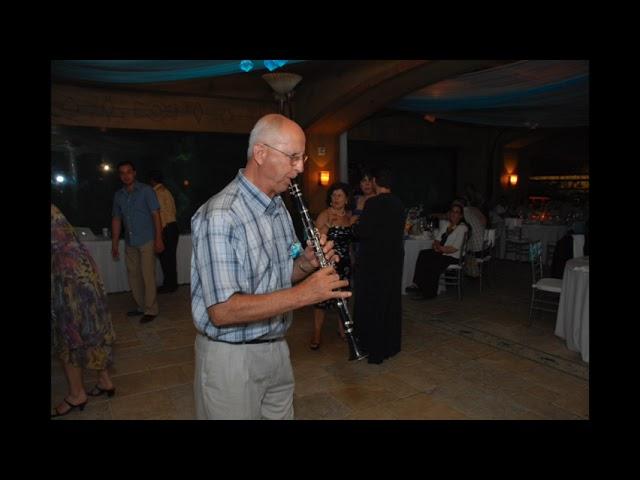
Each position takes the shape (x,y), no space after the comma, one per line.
(135,210)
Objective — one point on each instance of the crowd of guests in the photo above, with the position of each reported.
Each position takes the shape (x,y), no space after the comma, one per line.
(249,272)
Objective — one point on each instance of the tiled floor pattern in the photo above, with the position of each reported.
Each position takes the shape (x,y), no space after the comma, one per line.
(472,359)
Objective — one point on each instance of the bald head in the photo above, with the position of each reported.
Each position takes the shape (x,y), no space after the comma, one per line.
(276,153)
(270,129)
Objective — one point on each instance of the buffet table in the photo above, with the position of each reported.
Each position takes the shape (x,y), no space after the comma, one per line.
(114,272)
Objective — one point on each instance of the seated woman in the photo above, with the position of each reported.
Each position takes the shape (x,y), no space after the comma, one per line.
(446,251)
(335,222)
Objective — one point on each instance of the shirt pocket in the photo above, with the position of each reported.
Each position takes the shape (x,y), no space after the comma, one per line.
(264,274)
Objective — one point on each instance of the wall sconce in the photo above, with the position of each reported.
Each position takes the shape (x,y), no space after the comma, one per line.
(323,178)
(513,180)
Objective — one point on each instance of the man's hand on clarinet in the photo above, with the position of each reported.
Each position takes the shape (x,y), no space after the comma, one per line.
(323,284)
(327,247)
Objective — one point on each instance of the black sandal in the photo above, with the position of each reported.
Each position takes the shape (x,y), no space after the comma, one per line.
(97,391)
(79,406)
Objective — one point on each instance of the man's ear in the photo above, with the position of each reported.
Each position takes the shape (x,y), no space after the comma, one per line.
(259,153)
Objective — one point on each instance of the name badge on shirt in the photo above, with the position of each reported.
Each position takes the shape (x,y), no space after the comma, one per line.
(295,250)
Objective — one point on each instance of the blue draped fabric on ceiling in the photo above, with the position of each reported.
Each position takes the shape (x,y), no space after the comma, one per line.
(532,93)
(529,93)
(151,71)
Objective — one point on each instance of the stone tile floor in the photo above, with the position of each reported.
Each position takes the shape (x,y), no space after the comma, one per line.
(472,359)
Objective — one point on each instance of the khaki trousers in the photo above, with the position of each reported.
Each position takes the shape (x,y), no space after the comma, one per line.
(243,382)
(141,270)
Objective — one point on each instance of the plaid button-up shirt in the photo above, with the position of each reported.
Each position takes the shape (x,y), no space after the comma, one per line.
(241,240)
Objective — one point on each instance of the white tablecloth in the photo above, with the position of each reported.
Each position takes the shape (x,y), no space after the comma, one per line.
(578,245)
(536,232)
(572,322)
(412,247)
(511,222)
(114,272)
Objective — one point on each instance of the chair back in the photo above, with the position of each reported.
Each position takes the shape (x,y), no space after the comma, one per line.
(488,244)
(463,248)
(489,238)
(514,233)
(535,257)
(453,274)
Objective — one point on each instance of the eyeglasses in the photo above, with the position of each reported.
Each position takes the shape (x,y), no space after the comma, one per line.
(299,157)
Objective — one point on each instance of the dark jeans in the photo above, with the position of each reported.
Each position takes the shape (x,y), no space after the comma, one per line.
(167,258)
(429,267)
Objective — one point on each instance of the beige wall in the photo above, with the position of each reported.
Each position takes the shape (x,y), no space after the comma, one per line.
(110,108)
(314,193)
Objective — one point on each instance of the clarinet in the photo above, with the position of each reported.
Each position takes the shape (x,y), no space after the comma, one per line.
(355,352)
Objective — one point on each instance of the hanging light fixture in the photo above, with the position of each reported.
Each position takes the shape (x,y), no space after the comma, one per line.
(282,84)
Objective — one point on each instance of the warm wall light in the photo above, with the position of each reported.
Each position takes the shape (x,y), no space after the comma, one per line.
(323,178)
(513,180)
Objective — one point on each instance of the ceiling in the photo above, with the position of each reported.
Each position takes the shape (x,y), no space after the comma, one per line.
(527,93)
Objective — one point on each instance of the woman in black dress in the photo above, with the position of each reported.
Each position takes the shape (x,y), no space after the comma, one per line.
(335,222)
(378,271)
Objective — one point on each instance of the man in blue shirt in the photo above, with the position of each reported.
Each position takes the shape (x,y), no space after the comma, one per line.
(246,257)
(137,206)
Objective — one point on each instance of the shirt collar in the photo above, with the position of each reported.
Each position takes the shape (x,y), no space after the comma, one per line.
(136,187)
(256,196)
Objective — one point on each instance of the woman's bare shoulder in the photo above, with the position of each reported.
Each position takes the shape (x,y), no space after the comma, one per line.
(323,214)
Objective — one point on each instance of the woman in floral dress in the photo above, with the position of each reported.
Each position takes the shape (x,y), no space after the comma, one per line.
(82,334)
